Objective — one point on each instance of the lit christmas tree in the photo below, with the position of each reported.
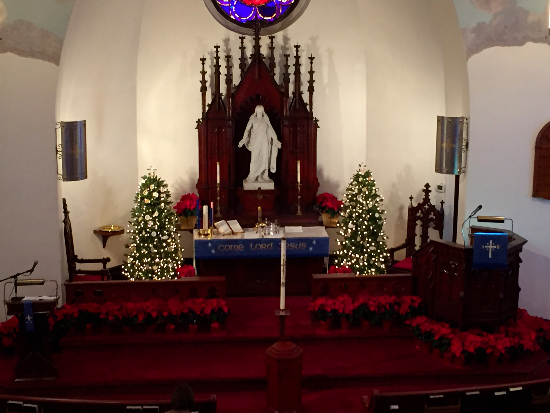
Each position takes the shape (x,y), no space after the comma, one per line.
(364,248)
(154,245)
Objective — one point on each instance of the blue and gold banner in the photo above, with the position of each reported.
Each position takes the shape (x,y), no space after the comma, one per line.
(490,251)
(261,248)
(29,316)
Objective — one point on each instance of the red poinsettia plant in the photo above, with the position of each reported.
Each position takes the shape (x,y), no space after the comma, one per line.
(193,311)
(333,269)
(187,205)
(328,203)
(515,339)
(186,271)
(8,333)
(323,308)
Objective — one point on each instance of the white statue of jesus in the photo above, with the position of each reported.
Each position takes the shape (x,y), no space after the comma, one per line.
(261,140)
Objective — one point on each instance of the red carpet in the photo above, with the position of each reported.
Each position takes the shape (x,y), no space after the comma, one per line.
(339,367)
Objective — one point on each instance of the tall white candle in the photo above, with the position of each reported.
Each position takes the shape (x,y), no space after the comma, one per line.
(218,173)
(283,272)
(298,167)
(205,217)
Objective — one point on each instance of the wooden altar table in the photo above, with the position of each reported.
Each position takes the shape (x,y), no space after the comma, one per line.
(252,265)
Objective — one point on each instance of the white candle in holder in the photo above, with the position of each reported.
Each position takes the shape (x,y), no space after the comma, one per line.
(218,173)
(205,217)
(298,167)
(283,272)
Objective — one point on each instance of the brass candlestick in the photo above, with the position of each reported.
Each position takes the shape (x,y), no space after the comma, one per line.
(205,233)
(218,213)
(299,196)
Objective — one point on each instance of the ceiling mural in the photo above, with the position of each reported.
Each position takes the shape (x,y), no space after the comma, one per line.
(490,23)
(34,29)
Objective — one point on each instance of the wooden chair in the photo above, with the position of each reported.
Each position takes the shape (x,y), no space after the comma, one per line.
(73,259)
(426,216)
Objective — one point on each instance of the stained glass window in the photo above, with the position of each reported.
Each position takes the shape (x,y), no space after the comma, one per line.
(264,11)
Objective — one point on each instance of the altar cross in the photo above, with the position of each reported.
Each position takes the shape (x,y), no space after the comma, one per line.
(490,246)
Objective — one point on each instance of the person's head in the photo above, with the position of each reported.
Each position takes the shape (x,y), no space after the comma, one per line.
(182,397)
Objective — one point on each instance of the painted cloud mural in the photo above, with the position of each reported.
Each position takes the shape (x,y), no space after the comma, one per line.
(24,32)
(502,23)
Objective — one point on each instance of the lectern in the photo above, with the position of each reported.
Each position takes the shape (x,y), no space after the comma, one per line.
(466,298)
(33,344)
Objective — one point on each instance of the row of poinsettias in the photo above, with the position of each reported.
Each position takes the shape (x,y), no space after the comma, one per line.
(524,336)
(372,309)
(193,311)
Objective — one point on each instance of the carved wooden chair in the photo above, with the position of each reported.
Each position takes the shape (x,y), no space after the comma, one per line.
(73,259)
(425,215)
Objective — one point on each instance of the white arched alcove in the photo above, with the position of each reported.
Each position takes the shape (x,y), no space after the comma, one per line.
(384,71)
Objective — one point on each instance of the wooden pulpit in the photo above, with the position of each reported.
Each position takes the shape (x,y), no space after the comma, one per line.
(33,347)
(456,293)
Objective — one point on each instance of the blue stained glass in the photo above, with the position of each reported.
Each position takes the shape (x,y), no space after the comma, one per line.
(269,11)
(241,12)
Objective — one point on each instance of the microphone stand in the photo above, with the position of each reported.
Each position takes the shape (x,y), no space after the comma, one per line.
(14,276)
(468,221)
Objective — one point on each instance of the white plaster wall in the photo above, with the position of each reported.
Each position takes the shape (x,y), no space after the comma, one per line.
(510,96)
(97,82)
(29,216)
(131,69)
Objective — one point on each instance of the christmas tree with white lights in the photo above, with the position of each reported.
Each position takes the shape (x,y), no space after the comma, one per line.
(364,248)
(154,243)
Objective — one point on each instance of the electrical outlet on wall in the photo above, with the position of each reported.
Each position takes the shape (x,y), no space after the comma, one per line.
(440,188)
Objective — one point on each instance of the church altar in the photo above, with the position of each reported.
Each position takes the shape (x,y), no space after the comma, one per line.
(252,265)
(305,242)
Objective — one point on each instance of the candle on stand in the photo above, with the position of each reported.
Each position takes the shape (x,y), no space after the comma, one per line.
(283,272)
(298,167)
(218,173)
(205,217)
(198,214)
(212,214)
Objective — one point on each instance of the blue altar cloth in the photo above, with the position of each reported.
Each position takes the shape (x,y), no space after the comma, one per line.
(311,242)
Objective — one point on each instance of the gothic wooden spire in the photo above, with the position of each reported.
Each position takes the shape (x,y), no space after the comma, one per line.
(297,77)
(311,88)
(272,55)
(217,75)
(257,46)
(203,85)
(228,82)
(286,83)
(242,59)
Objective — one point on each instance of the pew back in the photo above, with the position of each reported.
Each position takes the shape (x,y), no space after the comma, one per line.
(21,404)
(524,397)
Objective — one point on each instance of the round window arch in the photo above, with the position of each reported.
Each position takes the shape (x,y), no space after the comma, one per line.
(240,16)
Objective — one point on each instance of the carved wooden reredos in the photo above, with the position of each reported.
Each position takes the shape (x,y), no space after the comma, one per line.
(224,120)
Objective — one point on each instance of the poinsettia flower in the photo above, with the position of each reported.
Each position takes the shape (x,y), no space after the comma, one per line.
(187,205)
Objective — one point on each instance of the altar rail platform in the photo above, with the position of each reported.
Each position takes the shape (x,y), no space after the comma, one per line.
(339,366)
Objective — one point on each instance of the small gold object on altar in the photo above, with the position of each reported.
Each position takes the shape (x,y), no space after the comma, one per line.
(205,233)
(259,225)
